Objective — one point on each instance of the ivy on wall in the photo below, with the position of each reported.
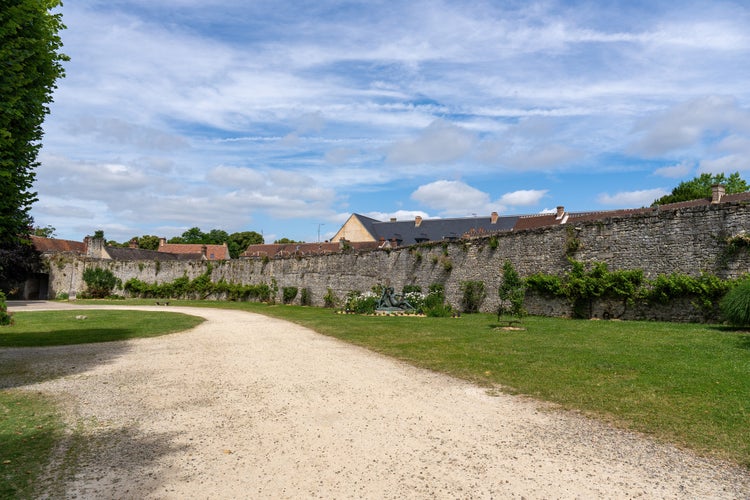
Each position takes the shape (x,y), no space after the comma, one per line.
(582,285)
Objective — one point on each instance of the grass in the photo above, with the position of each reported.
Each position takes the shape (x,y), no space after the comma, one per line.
(29,430)
(48,328)
(688,384)
(30,426)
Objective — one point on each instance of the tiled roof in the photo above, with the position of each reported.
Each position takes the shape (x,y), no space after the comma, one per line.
(52,245)
(213,252)
(120,253)
(273,250)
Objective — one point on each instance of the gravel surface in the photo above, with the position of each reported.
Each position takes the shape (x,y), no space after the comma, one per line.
(246,406)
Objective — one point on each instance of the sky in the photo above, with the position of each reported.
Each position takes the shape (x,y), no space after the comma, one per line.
(285,117)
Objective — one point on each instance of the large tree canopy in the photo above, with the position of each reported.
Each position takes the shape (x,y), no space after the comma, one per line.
(700,187)
(30,64)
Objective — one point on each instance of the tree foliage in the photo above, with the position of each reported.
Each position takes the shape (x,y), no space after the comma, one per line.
(31,63)
(700,187)
(99,282)
(236,242)
(148,242)
(512,293)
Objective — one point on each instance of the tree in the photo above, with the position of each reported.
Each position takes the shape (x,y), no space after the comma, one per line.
(148,242)
(44,232)
(700,187)
(31,64)
(238,242)
(193,235)
(286,241)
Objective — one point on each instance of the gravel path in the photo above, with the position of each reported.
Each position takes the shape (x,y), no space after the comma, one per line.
(246,406)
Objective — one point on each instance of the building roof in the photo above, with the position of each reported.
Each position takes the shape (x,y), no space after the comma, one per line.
(423,230)
(125,254)
(52,245)
(302,249)
(213,252)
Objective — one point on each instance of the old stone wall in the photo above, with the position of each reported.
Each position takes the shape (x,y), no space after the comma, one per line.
(687,241)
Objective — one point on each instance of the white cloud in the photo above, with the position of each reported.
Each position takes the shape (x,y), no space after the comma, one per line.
(441,142)
(675,171)
(688,123)
(452,198)
(524,197)
(632,199)
(725,165)
(398,215)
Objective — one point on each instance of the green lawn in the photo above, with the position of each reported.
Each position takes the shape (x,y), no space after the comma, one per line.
(29,423)
(47,328)
(688,384)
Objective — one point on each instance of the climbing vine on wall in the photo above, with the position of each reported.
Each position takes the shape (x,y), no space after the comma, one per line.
(582,285)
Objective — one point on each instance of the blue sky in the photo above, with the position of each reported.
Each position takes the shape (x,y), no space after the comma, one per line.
(285,117)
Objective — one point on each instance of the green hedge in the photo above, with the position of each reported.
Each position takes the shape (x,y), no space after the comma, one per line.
(200,287)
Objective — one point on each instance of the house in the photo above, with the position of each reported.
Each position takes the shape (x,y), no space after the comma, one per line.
(359,228)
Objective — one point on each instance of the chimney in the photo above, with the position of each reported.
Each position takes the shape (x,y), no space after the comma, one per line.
(493,217)
(560,213)
(203,252)
(717,193)
(133,243)
(94,247)
(417,221)
(162,242)
(393,219)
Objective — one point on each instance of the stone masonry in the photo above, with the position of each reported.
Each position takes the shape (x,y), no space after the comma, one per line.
(689,240)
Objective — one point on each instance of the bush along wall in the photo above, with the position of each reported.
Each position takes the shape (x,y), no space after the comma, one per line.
(199,288)
(594,291)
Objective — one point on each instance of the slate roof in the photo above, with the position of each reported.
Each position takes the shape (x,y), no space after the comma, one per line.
(408,233)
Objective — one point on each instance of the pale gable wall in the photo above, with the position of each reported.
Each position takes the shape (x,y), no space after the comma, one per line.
(352,230)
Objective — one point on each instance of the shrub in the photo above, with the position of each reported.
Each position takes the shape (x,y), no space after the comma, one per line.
(305,297)
(100,282)
(329,300)
(473,295)
(736,304)
(361,303)
(434,304)
(512,293)
(414,296)
(288,294)
(5,316)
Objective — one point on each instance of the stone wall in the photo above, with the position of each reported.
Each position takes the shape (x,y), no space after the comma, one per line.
(687,241)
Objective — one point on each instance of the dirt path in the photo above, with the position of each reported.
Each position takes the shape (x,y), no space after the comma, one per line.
(245,406)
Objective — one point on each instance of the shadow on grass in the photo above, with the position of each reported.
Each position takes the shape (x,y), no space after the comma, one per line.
(742,334)
(21,366)
(20,461)
(103,461)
